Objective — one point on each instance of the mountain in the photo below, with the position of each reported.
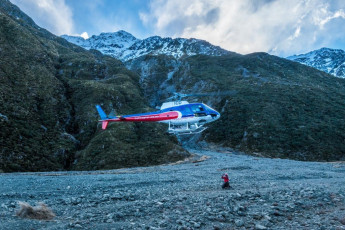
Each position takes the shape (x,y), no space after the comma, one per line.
(280,109)
(331,61)
(124,46)
(48,92)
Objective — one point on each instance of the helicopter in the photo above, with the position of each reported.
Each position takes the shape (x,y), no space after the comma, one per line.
(181,116)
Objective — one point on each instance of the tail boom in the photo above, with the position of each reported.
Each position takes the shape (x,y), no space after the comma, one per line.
(142,117)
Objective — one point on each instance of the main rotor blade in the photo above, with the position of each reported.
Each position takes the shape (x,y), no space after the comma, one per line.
(220,93)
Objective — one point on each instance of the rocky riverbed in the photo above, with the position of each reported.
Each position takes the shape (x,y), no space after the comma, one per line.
(265,194)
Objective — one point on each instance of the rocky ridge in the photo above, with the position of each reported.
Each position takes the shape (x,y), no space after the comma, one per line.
(124,46)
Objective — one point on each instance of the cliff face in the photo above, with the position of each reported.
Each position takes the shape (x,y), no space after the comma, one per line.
(48,91)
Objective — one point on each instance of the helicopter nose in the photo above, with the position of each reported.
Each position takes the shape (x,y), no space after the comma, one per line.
(215,115)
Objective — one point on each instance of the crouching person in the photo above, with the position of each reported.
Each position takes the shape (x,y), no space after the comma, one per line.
(226,184)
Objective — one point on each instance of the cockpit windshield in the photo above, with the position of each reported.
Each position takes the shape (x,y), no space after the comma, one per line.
(208,108)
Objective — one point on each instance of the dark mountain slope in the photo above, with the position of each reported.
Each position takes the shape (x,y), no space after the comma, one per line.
(47,95)
(280,108)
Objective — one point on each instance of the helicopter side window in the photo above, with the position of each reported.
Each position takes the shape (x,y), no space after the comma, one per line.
(198,110)
(185,110)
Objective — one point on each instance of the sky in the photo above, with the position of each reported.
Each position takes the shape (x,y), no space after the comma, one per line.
(278,27)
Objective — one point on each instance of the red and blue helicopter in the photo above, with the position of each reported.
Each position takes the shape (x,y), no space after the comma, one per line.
(181,116)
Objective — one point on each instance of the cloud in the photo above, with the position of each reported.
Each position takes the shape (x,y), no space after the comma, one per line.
(53,15)
(338,14)
(276,26)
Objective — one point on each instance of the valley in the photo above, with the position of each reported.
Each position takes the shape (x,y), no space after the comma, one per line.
(265,194)
(280,134)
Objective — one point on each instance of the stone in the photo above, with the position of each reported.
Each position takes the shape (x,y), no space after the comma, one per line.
(342,221)
(267,217)
(197,225)
(260,227)
(239,222)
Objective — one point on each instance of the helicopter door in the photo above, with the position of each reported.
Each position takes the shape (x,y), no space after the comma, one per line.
(199,110)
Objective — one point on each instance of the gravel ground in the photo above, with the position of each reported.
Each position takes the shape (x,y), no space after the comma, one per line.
(265,194)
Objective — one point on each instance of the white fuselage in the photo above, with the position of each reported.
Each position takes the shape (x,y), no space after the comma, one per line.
(191,119)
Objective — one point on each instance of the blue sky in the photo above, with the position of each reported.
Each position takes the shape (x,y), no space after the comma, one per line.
(279,27)
(95,17)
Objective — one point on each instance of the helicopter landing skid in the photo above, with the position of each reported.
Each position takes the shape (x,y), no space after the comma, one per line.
(186,130)
(190,131)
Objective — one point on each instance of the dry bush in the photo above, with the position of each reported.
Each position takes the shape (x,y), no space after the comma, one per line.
(39,212)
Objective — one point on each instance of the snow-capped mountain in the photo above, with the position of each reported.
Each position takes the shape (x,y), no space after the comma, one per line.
(124,46)
(325,59)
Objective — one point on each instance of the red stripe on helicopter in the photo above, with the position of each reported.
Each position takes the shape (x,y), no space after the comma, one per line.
(152,117)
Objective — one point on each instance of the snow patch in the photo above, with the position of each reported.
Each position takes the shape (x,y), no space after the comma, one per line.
(325,59)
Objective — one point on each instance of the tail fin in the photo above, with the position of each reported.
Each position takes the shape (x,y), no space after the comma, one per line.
(101,112)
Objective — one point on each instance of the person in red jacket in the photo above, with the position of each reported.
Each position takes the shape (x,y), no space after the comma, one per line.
(226,184)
